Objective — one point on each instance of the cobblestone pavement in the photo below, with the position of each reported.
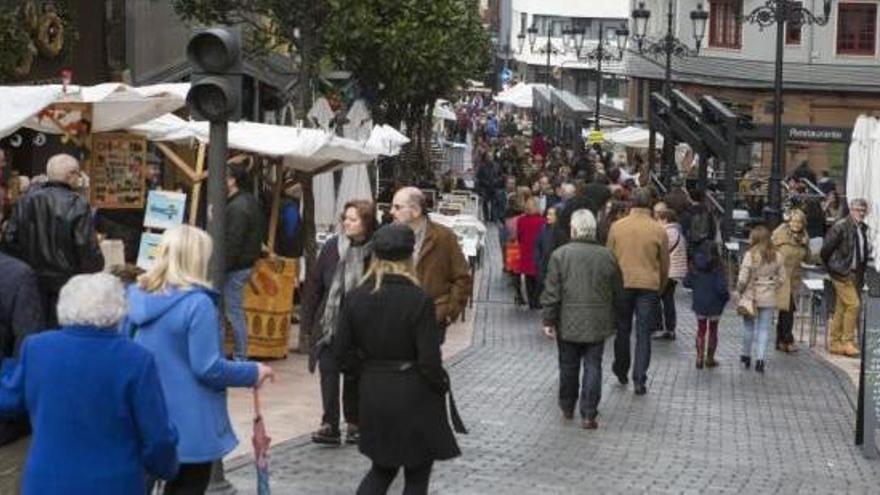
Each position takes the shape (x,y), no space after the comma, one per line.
(712,431)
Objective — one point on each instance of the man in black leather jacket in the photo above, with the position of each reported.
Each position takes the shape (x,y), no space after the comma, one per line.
(845,253)
(51,230)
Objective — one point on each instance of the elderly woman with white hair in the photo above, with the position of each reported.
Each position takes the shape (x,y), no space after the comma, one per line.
(581,291)
(93,397)
(173,313)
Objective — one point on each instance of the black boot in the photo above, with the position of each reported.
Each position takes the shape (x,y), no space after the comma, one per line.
(759,366)
(746,361)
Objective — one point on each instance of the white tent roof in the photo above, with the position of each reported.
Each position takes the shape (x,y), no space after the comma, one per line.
(443,110)
(519,95)
(386,140)
(115,106)
(633,137)
(303,149)
(863,179)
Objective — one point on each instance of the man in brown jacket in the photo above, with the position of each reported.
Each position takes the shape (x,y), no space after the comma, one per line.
(440,265)
(641,248)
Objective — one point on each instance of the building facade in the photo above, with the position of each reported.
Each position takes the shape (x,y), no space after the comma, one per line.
(830,72)
(551,17)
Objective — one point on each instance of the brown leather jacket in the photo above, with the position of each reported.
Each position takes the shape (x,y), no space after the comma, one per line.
(444,272)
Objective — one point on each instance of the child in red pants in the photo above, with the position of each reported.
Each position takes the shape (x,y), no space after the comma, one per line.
(709,286)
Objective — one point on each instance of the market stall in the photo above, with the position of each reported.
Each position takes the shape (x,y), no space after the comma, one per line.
(268,299)
(112,125)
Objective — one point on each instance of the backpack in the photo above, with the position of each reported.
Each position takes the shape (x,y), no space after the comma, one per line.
(701,228)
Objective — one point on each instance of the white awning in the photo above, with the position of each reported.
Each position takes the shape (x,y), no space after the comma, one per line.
(115,106)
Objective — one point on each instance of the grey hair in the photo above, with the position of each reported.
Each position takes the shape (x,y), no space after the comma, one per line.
(583,225)
(92,300)
(859,202)
(568,190)
(60,166)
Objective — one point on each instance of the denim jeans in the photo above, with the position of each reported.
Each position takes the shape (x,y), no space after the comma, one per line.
(641,303)
(571,355)
(233,293)
(760,324)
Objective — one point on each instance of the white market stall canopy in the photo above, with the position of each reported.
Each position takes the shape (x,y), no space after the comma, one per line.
(519,96)
(443,110)
(633,137)
(863,177)
(308,150)
(114,106)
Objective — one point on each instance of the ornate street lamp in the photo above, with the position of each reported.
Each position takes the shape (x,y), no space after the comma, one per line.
(601,53)
(668,46)
(780,13)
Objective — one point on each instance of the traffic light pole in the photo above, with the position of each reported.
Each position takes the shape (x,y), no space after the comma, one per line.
(217,201)
(217,148)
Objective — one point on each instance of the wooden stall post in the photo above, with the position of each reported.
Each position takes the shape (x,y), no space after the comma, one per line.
(197,187)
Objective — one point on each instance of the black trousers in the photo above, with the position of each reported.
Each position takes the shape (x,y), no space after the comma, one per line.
(330,383)
(785,324)
(192,479)
(533,291)
(667,318)
(571,355)
(379,478)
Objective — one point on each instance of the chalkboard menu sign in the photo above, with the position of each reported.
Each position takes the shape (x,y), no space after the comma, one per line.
(117,171)
(869,379)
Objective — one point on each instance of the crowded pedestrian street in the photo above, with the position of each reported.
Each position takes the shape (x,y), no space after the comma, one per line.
(445,247)
(726,430)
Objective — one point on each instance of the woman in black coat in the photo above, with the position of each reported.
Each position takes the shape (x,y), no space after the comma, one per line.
(388,330)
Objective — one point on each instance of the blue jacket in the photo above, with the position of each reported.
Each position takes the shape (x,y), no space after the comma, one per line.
(182,329)
(709,287)
(97,411)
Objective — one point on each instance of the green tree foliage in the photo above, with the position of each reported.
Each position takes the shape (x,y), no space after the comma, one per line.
(407,53)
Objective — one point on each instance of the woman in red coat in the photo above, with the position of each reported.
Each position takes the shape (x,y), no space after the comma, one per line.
(528,230)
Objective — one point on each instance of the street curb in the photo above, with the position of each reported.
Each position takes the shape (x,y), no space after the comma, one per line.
(846,384)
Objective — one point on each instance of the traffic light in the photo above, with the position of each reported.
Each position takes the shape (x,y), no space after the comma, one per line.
(215,91)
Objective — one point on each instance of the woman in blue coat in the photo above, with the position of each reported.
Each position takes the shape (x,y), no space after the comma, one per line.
(93,398)
(709,285)
(173,313)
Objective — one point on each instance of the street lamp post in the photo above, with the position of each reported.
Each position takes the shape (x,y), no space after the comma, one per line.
(533,37)
(601,53)
(669,46)
(780,13)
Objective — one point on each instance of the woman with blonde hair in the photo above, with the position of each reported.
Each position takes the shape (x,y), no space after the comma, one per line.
(761,274)
(173,313)
(793,243)
(388,330)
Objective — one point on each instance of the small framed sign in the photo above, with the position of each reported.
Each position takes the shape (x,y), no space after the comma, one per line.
(164,209)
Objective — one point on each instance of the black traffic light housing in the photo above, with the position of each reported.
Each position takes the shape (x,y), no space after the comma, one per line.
(216,82)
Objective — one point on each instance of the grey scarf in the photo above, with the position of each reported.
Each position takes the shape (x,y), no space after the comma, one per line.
(349,272)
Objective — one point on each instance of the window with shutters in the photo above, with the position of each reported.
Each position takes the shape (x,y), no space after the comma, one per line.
(725,26)
(857,29)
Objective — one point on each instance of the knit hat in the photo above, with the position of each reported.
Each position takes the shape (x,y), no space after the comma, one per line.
(394,242)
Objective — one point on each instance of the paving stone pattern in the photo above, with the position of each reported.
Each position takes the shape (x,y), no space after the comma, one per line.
(725,430)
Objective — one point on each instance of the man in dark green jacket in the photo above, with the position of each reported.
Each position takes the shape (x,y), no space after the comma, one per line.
(583,285)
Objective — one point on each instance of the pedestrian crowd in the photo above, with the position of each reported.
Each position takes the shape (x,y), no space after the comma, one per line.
(590,242)
(587,240)
(147,410)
